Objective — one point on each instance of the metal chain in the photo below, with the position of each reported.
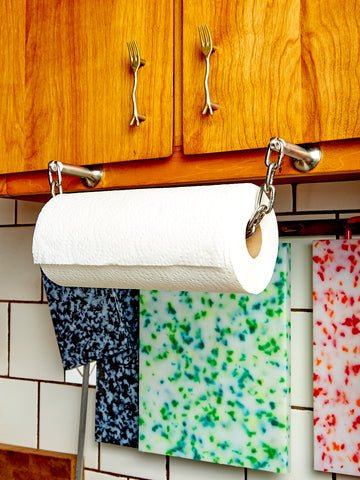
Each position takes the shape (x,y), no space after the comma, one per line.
(55,167)
(261,209)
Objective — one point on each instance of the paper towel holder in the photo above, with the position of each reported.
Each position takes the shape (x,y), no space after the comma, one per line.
(89,178)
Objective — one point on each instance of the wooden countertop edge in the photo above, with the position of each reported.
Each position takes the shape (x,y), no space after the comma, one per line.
(340,160)
(35,451)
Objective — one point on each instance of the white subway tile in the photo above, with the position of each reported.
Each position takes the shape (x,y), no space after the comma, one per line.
(306,216)
(301,452)
(59,421)
(301,359)
(7,211)
(75,375)
(3,338)
(102,476)
(18,412)
(130,462)
(34,352)
(27,212)
(301,271)
(328,196)
(349,215)
(346,477)
(19,278)
(283,198)
(181,469)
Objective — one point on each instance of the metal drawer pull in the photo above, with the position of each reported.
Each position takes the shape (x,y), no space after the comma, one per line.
(135,62)
(207,48)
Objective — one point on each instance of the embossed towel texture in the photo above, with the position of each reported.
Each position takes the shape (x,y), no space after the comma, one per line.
(88,322)
(336,300)
(215,374)
(180,238)
(117,383)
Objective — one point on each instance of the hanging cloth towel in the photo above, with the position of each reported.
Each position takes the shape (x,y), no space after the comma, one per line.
(215,374)
(336,302)
(117,382)
(88,322)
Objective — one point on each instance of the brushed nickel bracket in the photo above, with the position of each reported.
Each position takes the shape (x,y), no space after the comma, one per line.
(89,178)
(303,158)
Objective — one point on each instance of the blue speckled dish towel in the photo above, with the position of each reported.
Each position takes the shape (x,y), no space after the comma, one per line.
(215,374)
(117,384)
(88,322)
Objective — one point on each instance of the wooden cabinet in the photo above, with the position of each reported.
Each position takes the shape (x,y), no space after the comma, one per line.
(255,74)
(79,82)
(330,69)
(287,68)
(12,85)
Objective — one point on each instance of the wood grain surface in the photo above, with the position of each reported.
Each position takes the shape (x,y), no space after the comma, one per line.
(255,74)
(330,69)
(282,68)
(12,85)
(31,464)
(79,81)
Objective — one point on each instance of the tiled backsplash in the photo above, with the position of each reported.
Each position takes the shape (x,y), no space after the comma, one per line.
(39,409)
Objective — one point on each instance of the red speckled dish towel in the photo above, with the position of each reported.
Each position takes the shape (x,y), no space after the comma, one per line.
(336,297)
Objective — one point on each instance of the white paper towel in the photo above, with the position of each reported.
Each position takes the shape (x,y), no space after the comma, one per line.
(181,238)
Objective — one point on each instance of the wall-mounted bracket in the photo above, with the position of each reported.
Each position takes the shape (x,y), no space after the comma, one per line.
(89,178)
(303,158)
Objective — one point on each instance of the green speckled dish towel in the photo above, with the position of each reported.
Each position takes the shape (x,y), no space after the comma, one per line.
(215,374)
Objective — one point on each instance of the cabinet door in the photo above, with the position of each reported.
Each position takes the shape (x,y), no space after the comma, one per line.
(331,69)
(255,74)
(79,81)
(12,84)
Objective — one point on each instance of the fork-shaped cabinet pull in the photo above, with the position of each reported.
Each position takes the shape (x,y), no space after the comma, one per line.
(135,62)
(207,49)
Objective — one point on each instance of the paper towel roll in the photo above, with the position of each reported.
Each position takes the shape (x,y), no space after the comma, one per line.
(181,238)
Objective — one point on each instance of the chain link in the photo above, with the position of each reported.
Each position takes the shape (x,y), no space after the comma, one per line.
(55,167)
(261,209)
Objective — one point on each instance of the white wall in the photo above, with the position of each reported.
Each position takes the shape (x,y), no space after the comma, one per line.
(39,409)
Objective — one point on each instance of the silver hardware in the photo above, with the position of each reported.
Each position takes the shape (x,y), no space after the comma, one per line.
(207,49)
(261,209)
(54,167)
(305,159)
(82,422)
(89,178)
(135,62)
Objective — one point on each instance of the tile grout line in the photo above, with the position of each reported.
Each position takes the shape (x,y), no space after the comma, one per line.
(293,191)
(50,382)
(304,310)
(16,211)
(17,225)
(27,302)
(297,407)
(8,339)
(167,467)
(99,452)
(38,417)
